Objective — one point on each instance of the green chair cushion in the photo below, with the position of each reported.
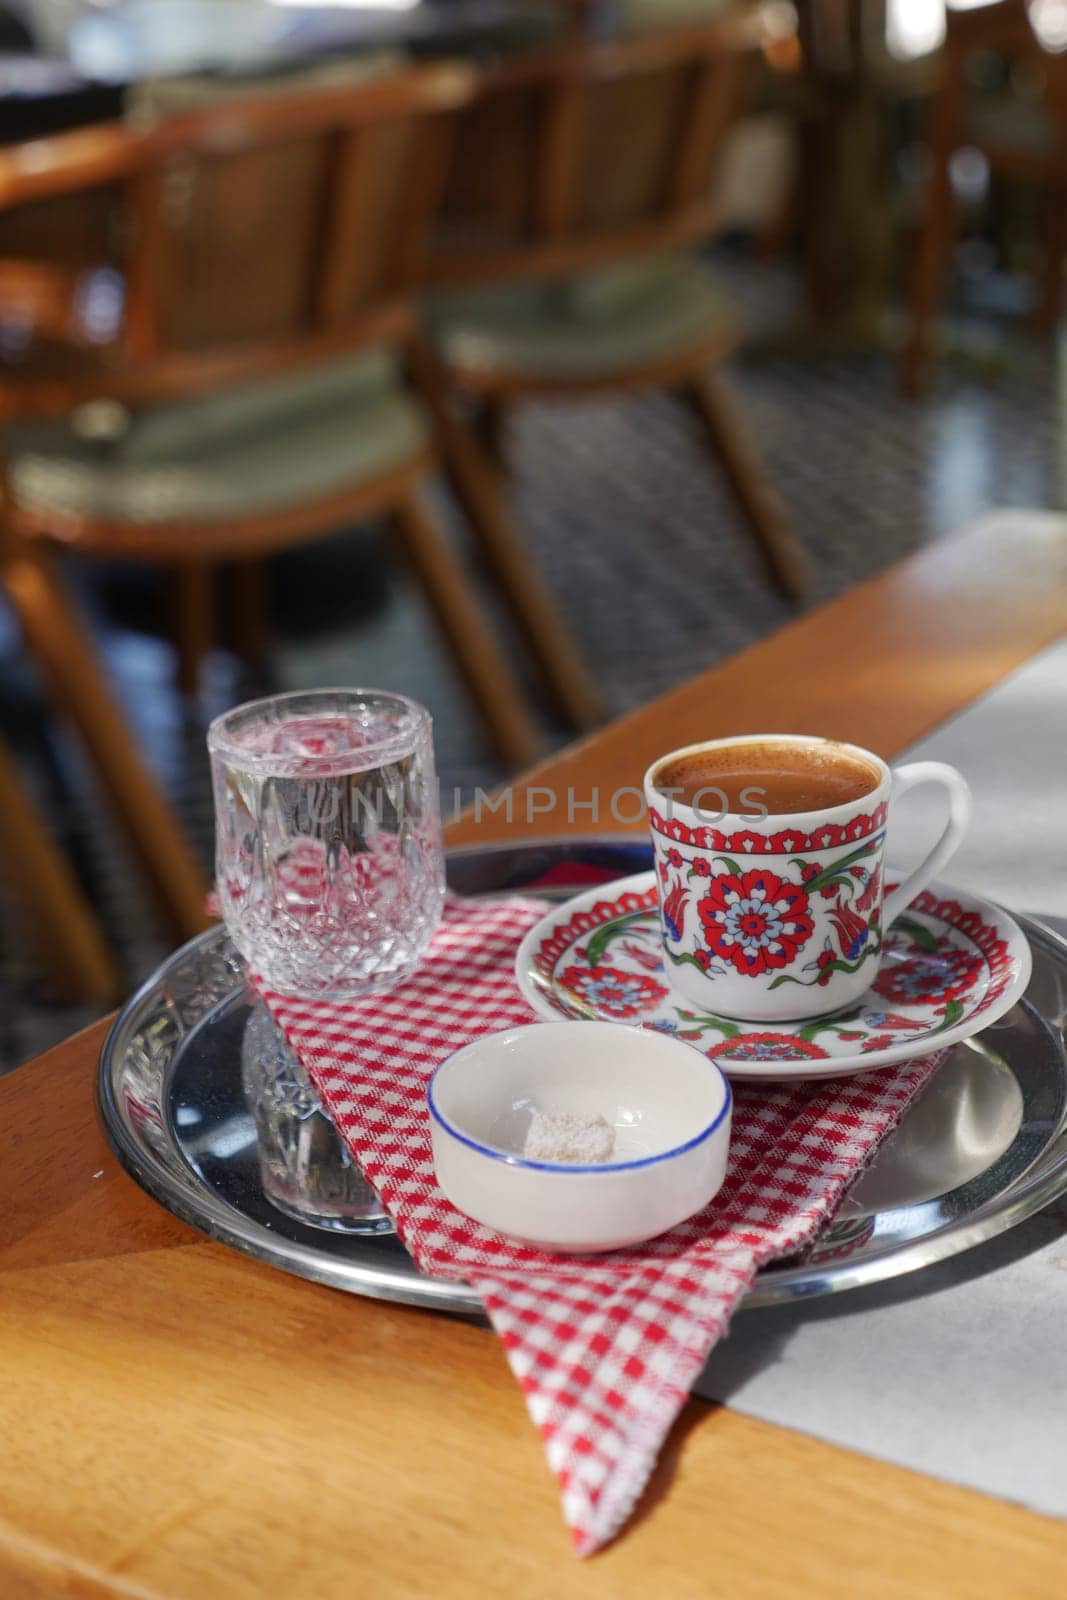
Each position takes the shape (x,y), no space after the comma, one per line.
(243,452)
(640,16)
(597,325)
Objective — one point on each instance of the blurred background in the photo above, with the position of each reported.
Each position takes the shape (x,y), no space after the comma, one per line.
(526,356)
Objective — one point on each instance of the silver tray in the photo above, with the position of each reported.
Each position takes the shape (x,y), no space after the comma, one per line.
(983,1147)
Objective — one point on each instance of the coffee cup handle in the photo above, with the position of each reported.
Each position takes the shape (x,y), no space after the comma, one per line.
(960,808)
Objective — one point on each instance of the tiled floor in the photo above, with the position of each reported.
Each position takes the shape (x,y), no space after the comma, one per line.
(642,548)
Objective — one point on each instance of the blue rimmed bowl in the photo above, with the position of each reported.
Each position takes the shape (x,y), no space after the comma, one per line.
(669,1105)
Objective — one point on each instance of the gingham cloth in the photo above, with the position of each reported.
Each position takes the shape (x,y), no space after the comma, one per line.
(605,1347)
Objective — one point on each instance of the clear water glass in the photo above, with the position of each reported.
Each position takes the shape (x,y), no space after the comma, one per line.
(330,877)
(328,856)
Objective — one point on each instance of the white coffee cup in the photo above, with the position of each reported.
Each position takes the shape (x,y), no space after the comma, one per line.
(781,915)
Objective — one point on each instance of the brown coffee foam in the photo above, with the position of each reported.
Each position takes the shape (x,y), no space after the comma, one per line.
(792,778)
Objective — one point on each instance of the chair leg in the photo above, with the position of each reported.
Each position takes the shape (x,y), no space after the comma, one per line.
(194,620)
(479,492)
(478,656)
(493,430)
(1048,310)
(937,230)
(931,264)
(65,930)
(817,153)
(251,624)
(784,556)
(55,636)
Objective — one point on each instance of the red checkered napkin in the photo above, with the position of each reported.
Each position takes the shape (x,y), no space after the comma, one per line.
(605,1347)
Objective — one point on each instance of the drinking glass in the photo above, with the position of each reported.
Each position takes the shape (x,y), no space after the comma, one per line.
(329,865)
(330,878)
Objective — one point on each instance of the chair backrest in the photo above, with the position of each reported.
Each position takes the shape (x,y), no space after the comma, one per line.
(252,236)
(1009,28)
(593,151)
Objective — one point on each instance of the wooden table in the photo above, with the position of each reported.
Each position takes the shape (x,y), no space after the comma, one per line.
(181,1421)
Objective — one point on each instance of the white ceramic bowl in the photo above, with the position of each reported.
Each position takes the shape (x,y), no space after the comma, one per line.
(670,1107)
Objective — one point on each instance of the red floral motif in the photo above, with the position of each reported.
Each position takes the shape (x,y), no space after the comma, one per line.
(674,828)
(787,841)
(923,978)
(702,867)
(560,940)
(992,995)
(984,934)
(852,931)
(812,870)
(756,920)
(860,827)
(767,1047)
(672,909)
(825,962)
(870,894)
(674,857)
(649,959)
(749,842)
(878,1041)
(890,1019)
(613,993)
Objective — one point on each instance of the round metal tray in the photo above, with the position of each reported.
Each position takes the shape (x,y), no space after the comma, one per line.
(983,1147)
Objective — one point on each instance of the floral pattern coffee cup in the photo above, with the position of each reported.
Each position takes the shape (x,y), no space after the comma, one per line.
(769,854)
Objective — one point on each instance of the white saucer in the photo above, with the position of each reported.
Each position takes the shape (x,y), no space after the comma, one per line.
(950,966)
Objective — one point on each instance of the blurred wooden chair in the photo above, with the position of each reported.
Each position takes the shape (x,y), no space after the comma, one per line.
(533,610)
(580,177)
(72,948)
(252,395)
(1022,139)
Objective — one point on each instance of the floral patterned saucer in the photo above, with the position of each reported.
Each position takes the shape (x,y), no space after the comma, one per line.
(950,966)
